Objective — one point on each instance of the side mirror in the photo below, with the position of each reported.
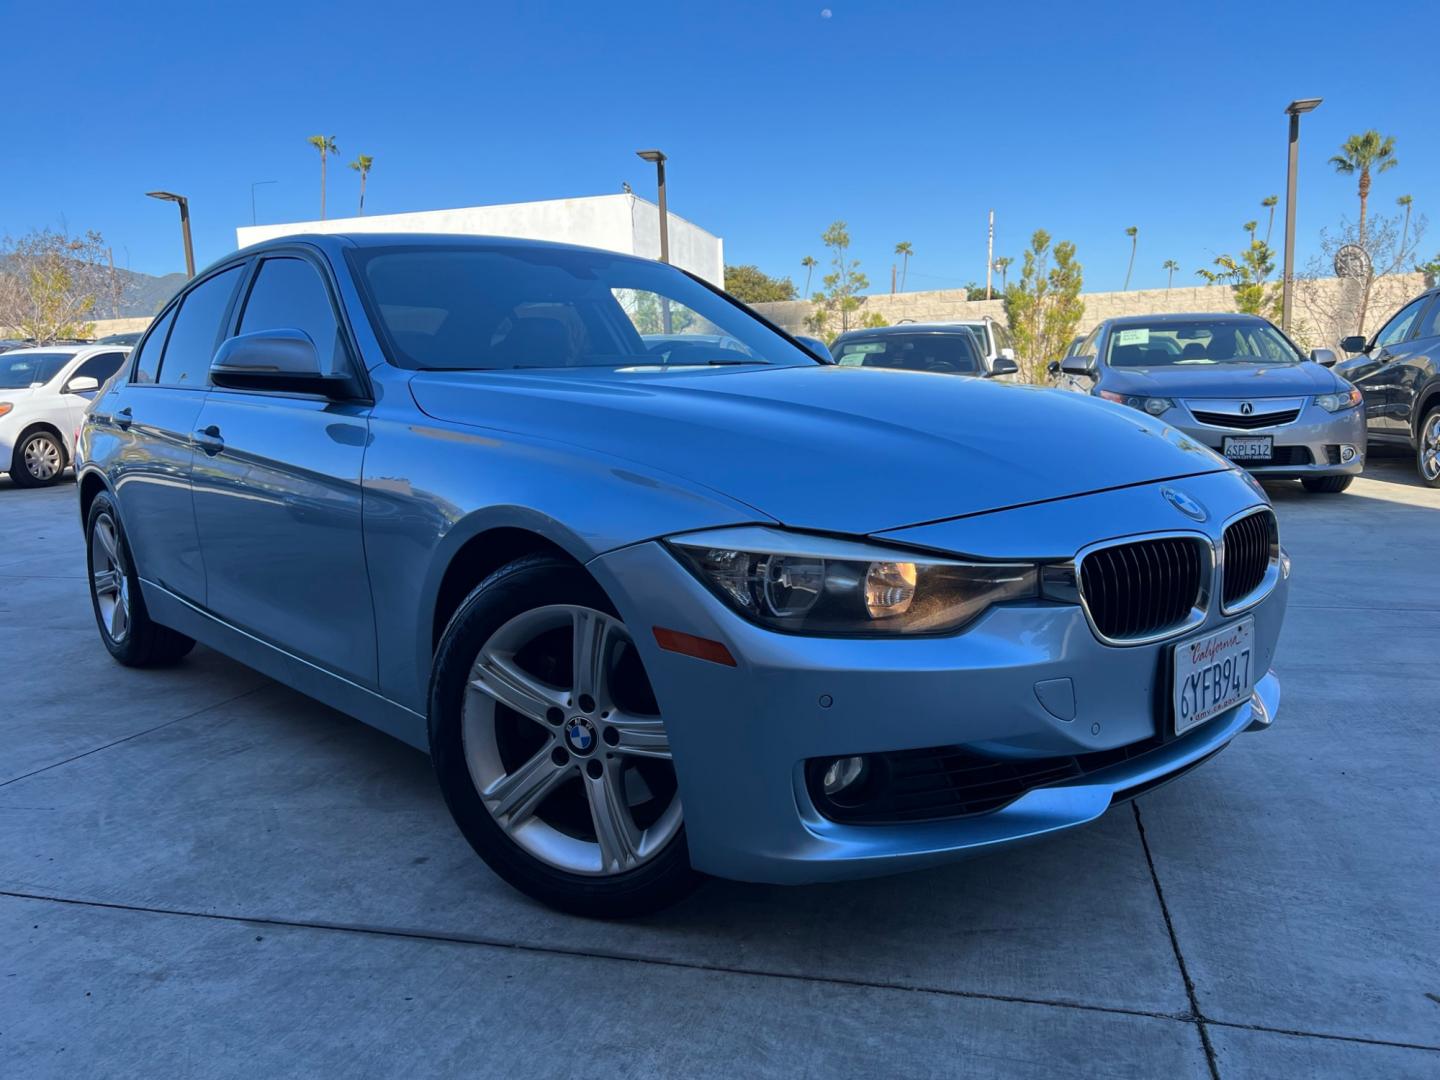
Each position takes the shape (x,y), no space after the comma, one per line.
(1007,353)
(1324,357)
(1078,365)
(1004,365)
(280,360)
(82,384)
(1354,344)
(1052,368)
(816,346)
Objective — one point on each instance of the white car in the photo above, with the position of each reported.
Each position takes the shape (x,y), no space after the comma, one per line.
(43,395)
(995,343)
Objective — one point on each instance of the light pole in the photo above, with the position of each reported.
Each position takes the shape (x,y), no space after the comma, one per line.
(1287,288)
(168,196)
(659,159)
(253,185)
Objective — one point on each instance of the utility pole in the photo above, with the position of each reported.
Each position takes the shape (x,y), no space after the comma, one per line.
(892,279)
(990,255)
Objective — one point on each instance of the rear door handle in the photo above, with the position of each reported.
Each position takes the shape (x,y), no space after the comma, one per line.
(123,418)
(209,440)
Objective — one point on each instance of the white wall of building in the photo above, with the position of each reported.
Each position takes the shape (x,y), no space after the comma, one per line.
(624,223)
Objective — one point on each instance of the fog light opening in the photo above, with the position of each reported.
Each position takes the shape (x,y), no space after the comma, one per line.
(844,774)
(1347,454)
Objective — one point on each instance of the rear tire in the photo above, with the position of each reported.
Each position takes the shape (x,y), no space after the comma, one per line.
(125,626)
(1326,485)
(557,804)
(38,460)
(1427,453)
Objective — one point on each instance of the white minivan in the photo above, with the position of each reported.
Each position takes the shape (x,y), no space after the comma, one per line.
(43,394)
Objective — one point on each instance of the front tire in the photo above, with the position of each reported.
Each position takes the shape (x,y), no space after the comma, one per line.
(549,747)
(38,460)
(1427,452)
(1326,485)
(128,632)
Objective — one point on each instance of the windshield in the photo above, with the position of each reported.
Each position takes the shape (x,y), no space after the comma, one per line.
(19,371)
(951,353)
(474,306)
(1200,343)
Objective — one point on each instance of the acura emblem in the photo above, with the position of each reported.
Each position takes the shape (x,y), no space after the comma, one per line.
(1246,408)
(1185,504)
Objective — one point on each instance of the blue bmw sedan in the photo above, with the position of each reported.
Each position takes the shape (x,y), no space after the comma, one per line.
(661,592)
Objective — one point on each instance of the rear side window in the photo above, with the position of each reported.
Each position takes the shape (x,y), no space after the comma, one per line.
(1430,323)
(99,367)
(147,361)
(197,331)
(289,294)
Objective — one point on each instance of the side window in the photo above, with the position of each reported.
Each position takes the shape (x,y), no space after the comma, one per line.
(197,331)
(1430,323)
(289,294)
(1398,328)
(1087,347)
(147,362)
(99,367)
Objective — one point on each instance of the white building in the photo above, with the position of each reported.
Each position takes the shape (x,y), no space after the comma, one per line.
(624,223)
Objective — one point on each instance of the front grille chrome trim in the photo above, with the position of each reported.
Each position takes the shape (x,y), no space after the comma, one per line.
(1268,580)
(1198,610)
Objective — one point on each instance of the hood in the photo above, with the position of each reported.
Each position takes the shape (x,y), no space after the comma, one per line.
(846,450)
(1222,380)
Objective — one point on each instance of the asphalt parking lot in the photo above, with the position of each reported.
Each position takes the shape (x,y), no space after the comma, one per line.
(203,873)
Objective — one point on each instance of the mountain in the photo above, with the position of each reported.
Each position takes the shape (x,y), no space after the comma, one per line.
(142,294)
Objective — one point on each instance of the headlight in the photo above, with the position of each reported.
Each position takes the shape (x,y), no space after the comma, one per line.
(818,585)
(1155,406)
(1341,399)
(5,407)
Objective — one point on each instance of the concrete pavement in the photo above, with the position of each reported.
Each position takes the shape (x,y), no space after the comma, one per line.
(203,873)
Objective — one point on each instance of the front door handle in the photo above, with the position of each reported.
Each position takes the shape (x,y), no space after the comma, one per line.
(124,418)
(209,440)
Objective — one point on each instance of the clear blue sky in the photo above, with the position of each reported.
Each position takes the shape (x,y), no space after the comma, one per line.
(908,120)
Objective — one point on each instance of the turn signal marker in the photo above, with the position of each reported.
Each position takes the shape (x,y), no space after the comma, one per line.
(690,645)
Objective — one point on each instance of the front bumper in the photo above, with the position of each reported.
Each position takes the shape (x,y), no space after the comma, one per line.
(1315,435)
(740,736)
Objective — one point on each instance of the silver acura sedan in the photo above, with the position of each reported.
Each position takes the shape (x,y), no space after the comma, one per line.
(1234,383)
(661,593)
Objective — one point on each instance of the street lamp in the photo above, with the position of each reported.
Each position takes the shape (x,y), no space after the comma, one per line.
(659,159)
(253,185)
(1287,289)
(168,196)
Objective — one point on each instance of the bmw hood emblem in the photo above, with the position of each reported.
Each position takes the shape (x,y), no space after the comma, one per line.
(1185,504)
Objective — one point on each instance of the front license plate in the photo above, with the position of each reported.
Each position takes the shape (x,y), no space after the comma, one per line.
(1213,673)
(1250,448)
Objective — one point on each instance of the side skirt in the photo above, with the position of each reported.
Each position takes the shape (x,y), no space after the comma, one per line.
(290,670)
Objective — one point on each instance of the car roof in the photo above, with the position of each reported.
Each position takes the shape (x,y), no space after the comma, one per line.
(911,328)
(73,350)
(1181,317)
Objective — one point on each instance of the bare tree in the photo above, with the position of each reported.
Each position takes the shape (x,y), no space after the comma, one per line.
(1332,309)
(52,284)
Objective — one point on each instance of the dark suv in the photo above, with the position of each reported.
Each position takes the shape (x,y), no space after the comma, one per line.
(1398,371)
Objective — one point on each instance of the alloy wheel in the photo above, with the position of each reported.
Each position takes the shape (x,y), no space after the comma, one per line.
(1430,448)
(42,458)
(109,578)
(565,744)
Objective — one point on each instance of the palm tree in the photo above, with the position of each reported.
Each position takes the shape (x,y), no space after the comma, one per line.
(904,250)
(808,262)
(1133,232)
(1269,204)
(1364,154)
(1404,202)
(326,145)
(362,165)
(1002,264)
(1250,227)
(1170,266)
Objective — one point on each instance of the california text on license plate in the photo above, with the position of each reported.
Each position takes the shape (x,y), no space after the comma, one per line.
(1250,448)
(1213,673)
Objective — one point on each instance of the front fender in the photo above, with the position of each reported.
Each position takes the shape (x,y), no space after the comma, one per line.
(432,486)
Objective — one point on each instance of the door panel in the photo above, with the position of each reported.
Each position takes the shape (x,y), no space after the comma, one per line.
(277,506)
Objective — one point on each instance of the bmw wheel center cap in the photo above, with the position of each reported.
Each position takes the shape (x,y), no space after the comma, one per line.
(580,735)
